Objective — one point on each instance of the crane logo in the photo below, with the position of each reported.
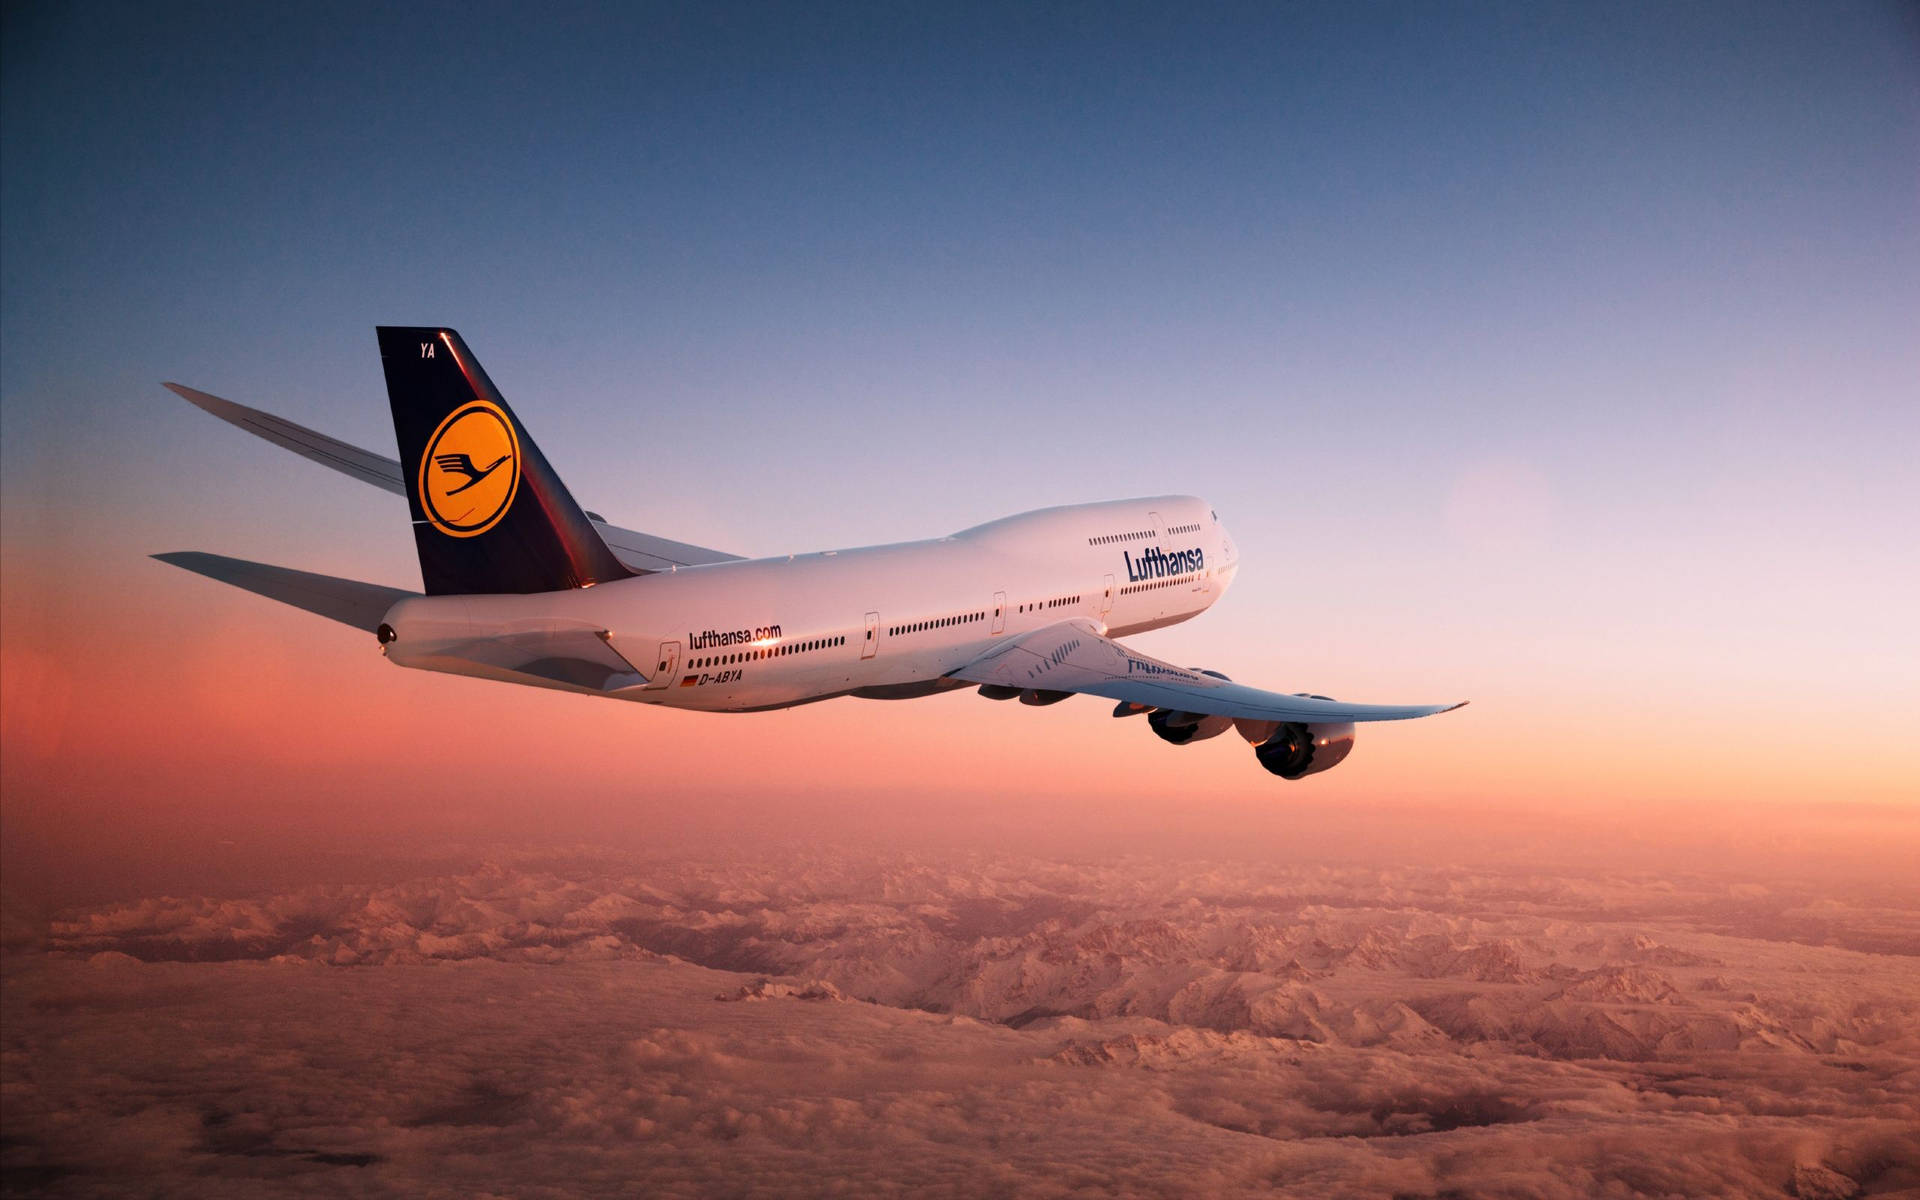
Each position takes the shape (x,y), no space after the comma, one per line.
(470,470)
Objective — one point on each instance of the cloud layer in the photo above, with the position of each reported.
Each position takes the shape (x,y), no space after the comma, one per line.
(975,1026)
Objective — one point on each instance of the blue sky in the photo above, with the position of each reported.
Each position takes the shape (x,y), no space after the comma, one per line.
(1419,231)
(1560,356)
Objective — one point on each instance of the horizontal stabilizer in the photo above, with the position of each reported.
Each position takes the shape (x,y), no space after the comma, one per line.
(642,552)
(364,465)
(1074,656)
(361,605)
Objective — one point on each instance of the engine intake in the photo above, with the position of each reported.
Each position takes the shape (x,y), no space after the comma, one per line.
(1294,751)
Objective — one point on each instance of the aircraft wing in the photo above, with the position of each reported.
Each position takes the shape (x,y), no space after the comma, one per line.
(638,551)
(348,601)
(1074,656)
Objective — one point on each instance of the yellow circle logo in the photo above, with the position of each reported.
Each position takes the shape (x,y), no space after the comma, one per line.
(471,470)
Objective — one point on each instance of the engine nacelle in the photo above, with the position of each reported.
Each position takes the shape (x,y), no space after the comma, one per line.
(1181,728)
(1293,751)
(1041,696)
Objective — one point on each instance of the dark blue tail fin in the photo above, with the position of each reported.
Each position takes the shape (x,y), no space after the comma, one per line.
(489,514)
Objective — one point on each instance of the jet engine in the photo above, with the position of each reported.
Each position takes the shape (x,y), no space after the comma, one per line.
(1292,750)
(1034,696)
(1182,728)
(1042,696)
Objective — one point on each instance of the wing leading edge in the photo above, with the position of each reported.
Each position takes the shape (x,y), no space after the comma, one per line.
(638,551)
(1074,656)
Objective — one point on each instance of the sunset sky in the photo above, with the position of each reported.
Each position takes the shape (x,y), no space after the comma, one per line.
(1561,359)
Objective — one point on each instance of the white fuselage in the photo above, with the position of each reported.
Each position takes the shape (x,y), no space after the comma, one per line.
(880,621)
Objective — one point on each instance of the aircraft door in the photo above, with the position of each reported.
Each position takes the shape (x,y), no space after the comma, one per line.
(999,612)
(871,645)
(1106,598)
(666,665)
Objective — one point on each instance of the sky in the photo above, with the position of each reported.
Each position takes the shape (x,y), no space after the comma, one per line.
(1559,358)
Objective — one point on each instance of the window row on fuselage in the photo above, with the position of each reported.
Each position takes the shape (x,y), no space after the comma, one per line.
(970,618)
(1178,529)
(1170,581)
(758,653)
(936,623)
(1056,602)
(1111,538)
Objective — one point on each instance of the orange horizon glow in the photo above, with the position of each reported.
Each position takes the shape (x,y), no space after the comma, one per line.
(239,715)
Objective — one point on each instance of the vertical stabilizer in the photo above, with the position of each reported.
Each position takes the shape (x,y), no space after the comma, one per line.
(489,514)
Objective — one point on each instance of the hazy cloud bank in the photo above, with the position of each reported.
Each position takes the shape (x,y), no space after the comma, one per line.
(823,1025)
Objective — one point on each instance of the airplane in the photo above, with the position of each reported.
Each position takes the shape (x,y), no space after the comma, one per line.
(524,586)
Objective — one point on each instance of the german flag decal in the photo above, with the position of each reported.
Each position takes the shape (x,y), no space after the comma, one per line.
(689,680)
